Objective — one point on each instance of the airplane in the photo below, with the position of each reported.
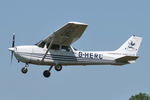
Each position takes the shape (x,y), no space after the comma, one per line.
(56,51)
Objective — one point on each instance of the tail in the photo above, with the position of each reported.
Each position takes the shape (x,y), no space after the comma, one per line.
(131,46)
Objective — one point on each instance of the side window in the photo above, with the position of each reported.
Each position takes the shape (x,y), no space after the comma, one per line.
(55,47)
(47,45)
(65,48)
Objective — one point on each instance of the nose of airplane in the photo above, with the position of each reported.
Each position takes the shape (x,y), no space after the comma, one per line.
(11,49)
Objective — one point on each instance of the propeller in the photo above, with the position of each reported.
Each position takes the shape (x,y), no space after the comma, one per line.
(12,48)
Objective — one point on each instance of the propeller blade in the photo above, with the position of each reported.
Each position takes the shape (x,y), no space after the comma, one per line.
(12,54)
(13,45)
(13,42)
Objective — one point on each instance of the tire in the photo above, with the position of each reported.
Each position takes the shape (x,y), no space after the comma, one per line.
(58,67)
(46,73)
(24,70)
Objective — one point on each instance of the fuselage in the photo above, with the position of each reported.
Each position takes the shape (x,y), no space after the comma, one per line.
(33,54)
(55,51)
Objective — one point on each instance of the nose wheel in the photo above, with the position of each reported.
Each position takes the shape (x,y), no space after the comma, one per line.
(24,70)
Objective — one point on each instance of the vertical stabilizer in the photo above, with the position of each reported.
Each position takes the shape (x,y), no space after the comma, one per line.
(131,46)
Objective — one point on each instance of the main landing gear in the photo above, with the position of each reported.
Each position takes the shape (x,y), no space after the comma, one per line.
(58,68)
(47,73)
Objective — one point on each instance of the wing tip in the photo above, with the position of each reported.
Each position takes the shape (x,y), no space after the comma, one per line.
(137,36)
(74,22)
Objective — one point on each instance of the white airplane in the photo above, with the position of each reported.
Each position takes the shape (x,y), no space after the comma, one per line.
(55,50)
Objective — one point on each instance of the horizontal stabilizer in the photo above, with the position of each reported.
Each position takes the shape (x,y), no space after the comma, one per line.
(126,59)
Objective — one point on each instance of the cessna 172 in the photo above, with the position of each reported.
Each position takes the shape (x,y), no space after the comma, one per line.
(55,50)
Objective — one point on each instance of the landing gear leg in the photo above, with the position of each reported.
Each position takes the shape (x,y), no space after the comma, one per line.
(47,73)
(24,70)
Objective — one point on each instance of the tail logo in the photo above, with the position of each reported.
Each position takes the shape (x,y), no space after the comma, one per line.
(131,44)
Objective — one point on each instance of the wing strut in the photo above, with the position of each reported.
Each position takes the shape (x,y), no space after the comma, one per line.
(47,50)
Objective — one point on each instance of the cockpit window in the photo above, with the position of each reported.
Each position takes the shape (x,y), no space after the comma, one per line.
(41,44)
(55,47)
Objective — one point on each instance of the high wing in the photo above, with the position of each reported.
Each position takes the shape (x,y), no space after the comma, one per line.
(66,35)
